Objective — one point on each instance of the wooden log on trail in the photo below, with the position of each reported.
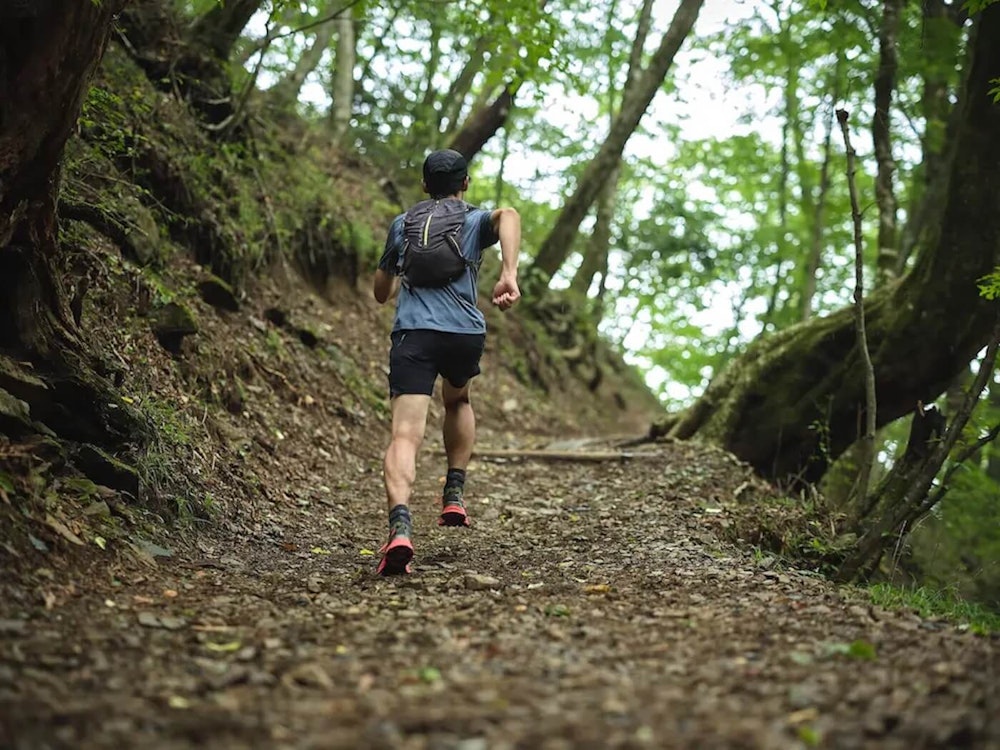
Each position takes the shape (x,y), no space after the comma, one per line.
(487,454)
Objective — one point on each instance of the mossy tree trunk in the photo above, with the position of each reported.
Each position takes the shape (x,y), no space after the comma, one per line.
(49,52)
(794,401)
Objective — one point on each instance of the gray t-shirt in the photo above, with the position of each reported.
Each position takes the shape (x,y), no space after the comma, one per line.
(450,308)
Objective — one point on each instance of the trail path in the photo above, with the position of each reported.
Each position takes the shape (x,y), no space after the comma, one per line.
(590,606)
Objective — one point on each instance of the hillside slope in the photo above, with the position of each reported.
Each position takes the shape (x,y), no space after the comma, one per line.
(210,582)
(225,288)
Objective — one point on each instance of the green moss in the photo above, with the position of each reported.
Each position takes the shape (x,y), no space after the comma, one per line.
(939,603)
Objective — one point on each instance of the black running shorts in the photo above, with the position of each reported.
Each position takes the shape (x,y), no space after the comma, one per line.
(417,357)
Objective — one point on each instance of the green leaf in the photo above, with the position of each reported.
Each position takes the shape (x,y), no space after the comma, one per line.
(989,285)
(430,675)
(995,91)
(224,648)
(801,658)
(862,650)
(809,736)
(859,649)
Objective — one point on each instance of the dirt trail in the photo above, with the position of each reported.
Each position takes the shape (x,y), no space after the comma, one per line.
(589,607)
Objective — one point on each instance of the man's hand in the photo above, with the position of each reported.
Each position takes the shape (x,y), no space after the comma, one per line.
(506,293)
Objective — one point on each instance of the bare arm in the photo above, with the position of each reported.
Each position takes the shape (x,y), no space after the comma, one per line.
(507,224)
(386,286)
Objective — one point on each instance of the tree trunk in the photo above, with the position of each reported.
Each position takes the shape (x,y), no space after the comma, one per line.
(483,123)
(458,91)
(901,511)
(218,30)
(48,54)
(789,405)
(942,34)
(378,44)
(286,91)
(556,247)
(885,86)
(501,169)
(789,131)
(595,258)
(819,208)
(343,76)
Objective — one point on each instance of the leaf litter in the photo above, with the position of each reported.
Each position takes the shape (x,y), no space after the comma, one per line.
(591,605)
(648,632)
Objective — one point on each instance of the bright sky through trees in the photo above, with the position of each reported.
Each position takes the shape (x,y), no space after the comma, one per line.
(701,100)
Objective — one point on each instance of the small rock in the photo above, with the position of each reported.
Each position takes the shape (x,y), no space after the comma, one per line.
(173,623)
(802,696)
(310,675)
(477,582)
(99,508)
(614,706)
(12,626)
(151,620)
(148,620)
(859,611)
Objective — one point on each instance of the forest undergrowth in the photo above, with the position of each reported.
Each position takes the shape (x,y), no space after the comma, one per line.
(212,583)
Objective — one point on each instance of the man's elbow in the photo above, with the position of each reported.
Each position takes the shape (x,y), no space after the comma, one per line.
(506,216)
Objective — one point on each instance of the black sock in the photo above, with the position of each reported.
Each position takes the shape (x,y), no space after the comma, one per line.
(455,478)
(399,513)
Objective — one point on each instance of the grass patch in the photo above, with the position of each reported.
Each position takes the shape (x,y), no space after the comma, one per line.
(940,603)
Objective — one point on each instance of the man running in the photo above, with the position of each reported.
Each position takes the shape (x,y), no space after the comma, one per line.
(431,262)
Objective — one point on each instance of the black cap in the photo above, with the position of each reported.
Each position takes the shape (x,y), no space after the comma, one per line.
(445,171)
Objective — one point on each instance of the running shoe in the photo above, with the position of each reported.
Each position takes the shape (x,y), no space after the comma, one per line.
(397,552)
(453,508)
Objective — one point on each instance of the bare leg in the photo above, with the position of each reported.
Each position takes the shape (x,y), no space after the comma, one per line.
(409,420)
(459,425)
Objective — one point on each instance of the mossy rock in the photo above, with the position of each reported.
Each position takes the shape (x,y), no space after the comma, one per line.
(143,236)
(15,417)
(171,324)
(103,468)
(219,294)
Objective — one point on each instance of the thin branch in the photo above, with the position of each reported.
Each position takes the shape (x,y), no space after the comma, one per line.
(868,439)
(236,115)
(965,455)
(315,22)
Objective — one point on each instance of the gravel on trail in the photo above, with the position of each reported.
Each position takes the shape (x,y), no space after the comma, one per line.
(591,605)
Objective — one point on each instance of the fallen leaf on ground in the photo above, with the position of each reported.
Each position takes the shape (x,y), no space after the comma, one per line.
(224,648)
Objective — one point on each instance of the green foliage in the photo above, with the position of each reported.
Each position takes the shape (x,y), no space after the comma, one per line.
(928,603)
(989,285)
(995,91)
(977,6)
